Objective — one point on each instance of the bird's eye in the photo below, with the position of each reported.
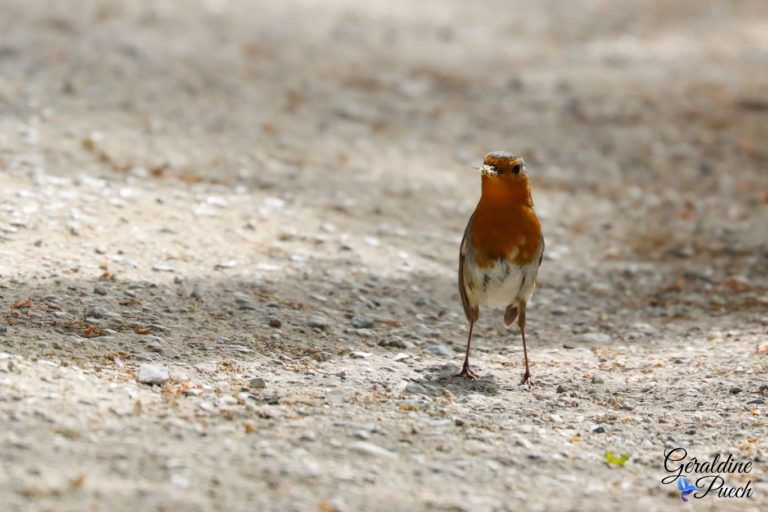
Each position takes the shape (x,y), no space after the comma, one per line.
(516,168)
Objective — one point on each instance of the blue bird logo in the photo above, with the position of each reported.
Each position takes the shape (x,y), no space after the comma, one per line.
(685,487)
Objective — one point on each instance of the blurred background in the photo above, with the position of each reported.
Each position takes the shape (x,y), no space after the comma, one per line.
(658,103)
(208,170)
(643,123)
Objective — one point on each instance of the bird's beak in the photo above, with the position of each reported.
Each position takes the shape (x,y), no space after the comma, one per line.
(488,170)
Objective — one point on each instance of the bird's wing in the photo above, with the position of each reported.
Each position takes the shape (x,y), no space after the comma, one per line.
(541,251)
(470,312)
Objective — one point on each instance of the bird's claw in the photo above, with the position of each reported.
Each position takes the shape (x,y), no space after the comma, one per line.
(526,380)
(468,373)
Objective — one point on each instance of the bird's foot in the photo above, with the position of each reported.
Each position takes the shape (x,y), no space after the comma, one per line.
(468,373)
(526,380)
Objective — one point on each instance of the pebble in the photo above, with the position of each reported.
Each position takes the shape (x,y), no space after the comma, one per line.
(395,342)
(227,401)
(318,322)
(599,429)
(447,370)
(522,441)
(361,322)
(206,367)
(440,350)
(362,434)
(321,357)
(208,407)
(360,355)
(598,379)
(735,390)
(98,312)
(561,388)
(373,450)
(596,338)
(415,389)
(243,301)
(257,383)
(3,329)
(155,347)
(644,328)
(275,323)
(308,436)
(151,374)
(99,290)
(153,340)
(225,265)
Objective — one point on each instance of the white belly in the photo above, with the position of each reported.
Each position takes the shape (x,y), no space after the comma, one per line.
(503,284)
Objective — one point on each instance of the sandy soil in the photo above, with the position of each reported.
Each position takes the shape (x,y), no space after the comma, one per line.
(266,199)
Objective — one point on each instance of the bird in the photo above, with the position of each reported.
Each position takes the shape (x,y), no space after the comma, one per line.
(501,250)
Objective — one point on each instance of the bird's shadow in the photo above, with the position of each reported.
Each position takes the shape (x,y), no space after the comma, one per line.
(440,378)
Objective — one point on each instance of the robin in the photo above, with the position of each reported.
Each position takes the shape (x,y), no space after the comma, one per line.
(502,248)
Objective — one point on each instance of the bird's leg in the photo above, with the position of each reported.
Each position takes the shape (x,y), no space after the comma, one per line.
(465,370)
(521,322)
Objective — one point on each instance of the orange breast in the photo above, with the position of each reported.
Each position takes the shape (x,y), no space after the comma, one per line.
(504,229)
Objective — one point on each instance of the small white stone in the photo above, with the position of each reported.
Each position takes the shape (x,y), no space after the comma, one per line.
(208,407)
(362,434)
(595,338)
(372,450)
(151,374)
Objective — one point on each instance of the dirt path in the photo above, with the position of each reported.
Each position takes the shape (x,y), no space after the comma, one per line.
(267,200)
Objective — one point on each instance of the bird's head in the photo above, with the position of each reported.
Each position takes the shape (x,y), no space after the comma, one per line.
(504,174)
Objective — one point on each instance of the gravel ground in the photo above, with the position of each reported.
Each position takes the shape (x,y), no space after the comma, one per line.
(229,238)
